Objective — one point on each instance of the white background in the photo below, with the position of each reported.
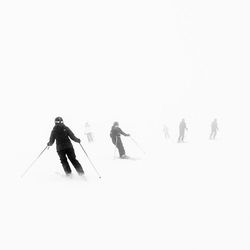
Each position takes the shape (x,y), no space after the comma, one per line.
(142,63)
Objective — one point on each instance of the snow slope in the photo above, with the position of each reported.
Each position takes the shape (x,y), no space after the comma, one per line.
(144,64)
(176,196)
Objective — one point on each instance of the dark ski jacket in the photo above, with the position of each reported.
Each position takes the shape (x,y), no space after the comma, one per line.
(116,131)
(62,134)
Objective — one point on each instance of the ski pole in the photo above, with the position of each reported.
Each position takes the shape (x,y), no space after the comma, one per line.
(33,162)
(137,145)
(90,161)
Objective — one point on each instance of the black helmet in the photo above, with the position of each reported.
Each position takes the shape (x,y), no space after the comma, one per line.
(116,124)
(58,120)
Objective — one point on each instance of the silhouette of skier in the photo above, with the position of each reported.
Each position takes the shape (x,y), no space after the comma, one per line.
(115,135)
(214,129)
(88,132)
(62,135)
(182,129)
(165,131)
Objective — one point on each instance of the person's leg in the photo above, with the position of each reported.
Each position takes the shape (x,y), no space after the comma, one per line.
(120,147)
(91,137)
(215,132)
(64,161)
(88,137)
(179,138)
(72,157)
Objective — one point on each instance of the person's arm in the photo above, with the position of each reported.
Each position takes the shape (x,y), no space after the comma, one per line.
(121,132)
(51,139)
(72,136)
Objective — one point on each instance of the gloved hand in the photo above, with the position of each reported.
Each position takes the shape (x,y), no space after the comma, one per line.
(128,134)
(48,144)
(79,141)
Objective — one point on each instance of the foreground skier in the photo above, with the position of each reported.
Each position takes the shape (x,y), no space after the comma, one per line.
(64,147)
(115,135)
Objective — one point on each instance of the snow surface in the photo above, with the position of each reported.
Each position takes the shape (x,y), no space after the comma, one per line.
(192,195)
(144,64)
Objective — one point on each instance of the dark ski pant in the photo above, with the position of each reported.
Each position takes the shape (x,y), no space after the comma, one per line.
(70,153)
(118,143)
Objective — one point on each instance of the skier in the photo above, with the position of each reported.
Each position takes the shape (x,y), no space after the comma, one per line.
(182,128)
(88,132)
(115,135)
(214,129)
(64,147)
(165,131)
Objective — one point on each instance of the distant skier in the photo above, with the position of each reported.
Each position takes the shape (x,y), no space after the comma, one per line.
(214,129)
(165,131)
(182,128)
(64,147)
(88,132)
(115,135)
